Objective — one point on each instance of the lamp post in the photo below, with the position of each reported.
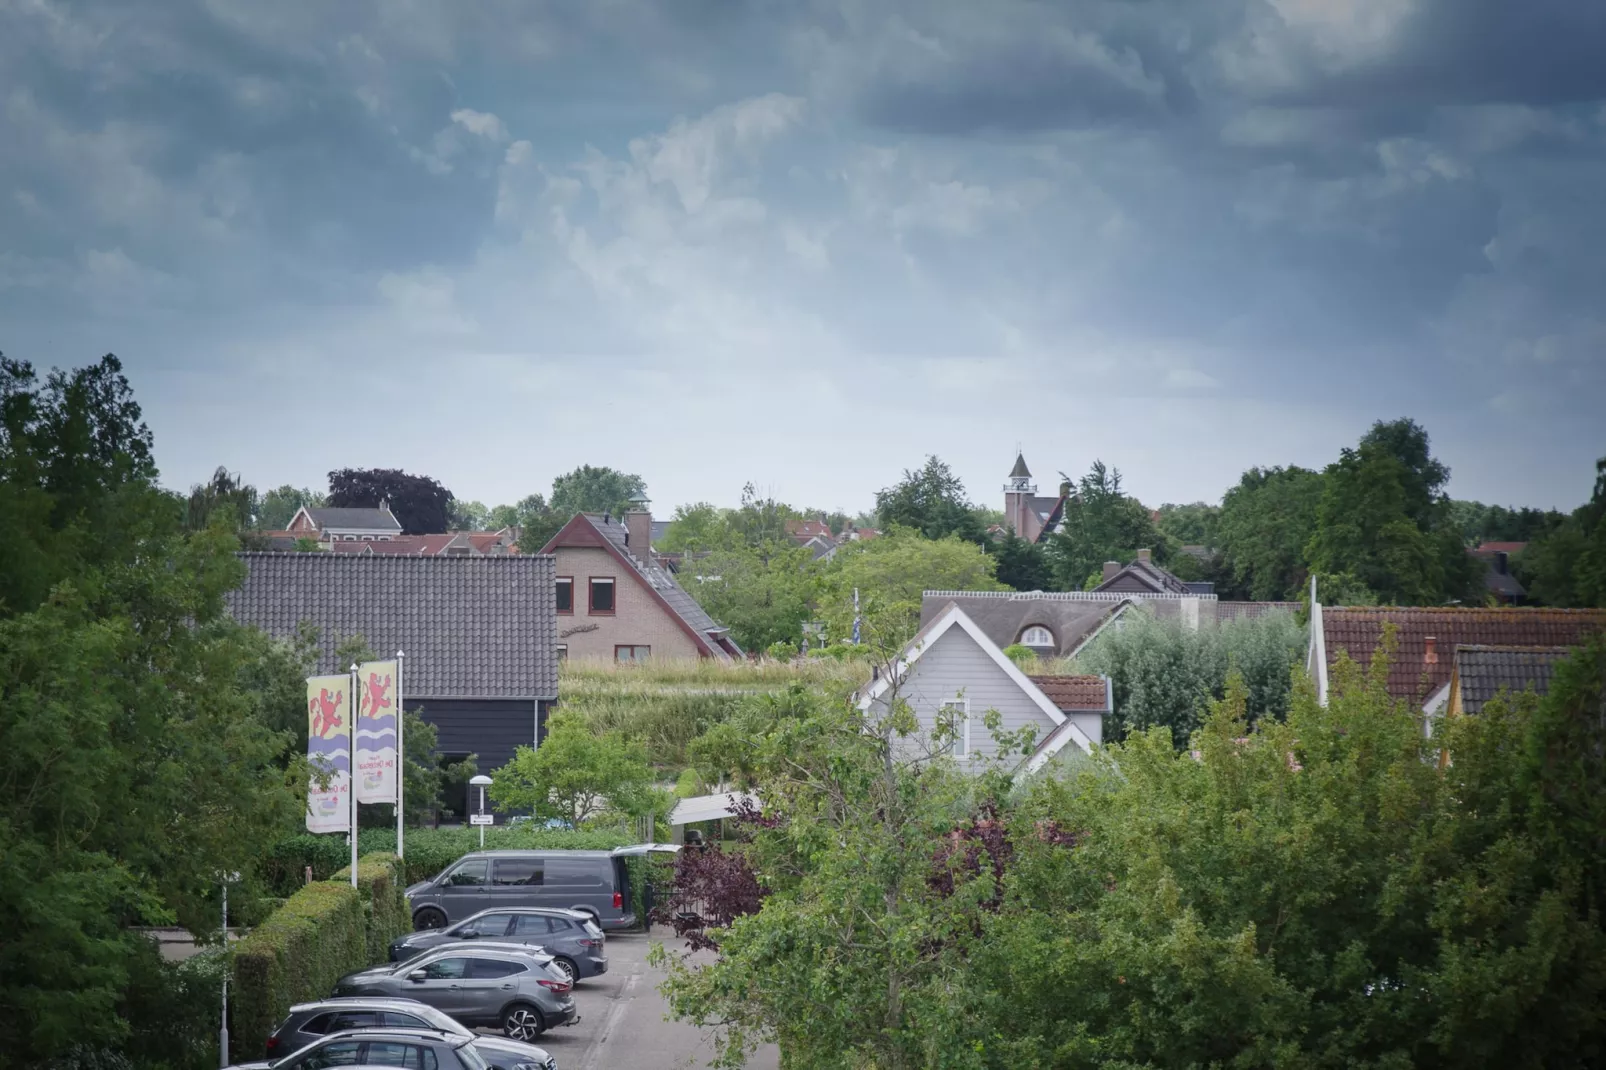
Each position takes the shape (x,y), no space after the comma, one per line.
(223,1028)
(481,818)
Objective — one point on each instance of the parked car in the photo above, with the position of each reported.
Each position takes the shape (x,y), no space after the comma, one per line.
(570,936)
(502,985)
(308,1023)
(410,1048)
(595,882)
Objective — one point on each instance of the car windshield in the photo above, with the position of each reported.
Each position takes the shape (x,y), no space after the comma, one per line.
(472,1058)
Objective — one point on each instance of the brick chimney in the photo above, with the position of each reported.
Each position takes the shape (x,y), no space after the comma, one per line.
(1431,656)
(1111,568)
(638,528)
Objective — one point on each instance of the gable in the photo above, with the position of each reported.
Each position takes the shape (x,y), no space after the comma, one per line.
(955,664)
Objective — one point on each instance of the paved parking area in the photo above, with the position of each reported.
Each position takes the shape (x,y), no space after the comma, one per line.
(622,1021)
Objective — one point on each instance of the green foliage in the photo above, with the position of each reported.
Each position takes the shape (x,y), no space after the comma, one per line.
(280,505)
(1101,523)
(1020,564)
(1164,674)
(172,1009)
(1019,654)
(1265,523)
(891,572)
(699,526)
(931,501)
(594,490)
(1478,523)
(226,499)
(1190,525)
(380,882)
(470,516)
(296,954)
(1567,567)
(762,594)
(577,775)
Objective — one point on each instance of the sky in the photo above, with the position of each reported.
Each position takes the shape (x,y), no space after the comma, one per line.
(804,244)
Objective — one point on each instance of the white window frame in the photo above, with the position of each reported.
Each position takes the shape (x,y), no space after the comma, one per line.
(1026,636)
(960,747)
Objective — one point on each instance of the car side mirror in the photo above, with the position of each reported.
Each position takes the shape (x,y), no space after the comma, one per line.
(417,975)
(471,934)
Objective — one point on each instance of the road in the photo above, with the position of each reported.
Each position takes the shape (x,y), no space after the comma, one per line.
(622,1021)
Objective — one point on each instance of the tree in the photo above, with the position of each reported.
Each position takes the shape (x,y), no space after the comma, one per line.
(469,516)
(700,526)
(594,490)
(1022,565)
(891,573)
(504,516)
(931,501)
(280,505)
(1100,523)
(1265,523)
(225,496)
(421,505)
(1190,525)
(1567,567)
(1384,520)
(138,763)
(1478,523)
(575,775)
(762,594)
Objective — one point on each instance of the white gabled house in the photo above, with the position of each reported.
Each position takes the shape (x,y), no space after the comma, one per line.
(952,673)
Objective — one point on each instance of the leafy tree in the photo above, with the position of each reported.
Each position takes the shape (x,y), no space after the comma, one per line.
(891,573)
(1022,565)
(1265,523)
(503,516)
(421,505)
(575,775)
(762,594)
(138,763)
(699,526)
(280,505)
(760,522)
(1384,520)
(225,493)
(931,501)
(1101,523)
(1567,567)
(1190,525)
(469,516)
(594,490)
(1479,523)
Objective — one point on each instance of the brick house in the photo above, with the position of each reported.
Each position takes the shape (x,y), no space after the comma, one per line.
(346,525)
(617,601)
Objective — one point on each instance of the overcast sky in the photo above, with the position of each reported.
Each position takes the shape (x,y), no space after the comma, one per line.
(805,244)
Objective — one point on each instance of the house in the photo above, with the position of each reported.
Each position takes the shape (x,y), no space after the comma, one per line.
(479,633)
(1496,557)
(617,600)
(1032,517)
(1060,624)
(1480,672)
(1427,640)
(951,675)
(450,544)
(1146,576)
(345,525)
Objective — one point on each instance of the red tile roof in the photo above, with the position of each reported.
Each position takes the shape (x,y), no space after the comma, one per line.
(808,529)
(1413,674)
(1074,692)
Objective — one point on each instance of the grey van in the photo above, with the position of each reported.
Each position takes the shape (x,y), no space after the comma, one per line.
(592,882)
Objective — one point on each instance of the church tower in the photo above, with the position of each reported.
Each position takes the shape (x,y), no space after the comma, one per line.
(1018,500)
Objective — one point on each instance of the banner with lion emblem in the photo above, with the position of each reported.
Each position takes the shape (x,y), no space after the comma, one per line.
(377,704)
(329,732)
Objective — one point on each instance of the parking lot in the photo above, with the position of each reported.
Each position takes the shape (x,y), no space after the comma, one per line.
(622,1024)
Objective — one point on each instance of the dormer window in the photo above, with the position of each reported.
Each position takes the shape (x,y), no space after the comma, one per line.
(1037,636)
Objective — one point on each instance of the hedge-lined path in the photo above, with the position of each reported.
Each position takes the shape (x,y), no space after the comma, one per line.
(622,1024)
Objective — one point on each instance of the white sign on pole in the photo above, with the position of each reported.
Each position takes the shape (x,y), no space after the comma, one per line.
(482,819)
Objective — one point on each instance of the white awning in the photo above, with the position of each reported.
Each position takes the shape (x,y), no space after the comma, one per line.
(709,807)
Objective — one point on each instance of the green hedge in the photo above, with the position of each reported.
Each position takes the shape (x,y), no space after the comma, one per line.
(428,850)
(385,914)
(297,954)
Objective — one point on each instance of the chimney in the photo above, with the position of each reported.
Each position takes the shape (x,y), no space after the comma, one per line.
(1143,556)
(638,528)
(1111,568)
(1431,657)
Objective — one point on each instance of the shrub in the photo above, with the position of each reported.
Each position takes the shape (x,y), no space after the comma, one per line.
(172,1009)
(297,954)
(385,913)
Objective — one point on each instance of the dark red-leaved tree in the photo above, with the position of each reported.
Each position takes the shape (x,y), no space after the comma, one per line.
(422,506)
(710,887)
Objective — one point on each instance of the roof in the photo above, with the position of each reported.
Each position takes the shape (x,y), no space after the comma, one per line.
(597,529)
(804,530)
(379,519)
(1004,616)
(1075,693)
(1149,575)
(1020,471)
(476,542)
(1483,671)
(710,807)
(1413,675)
(471,627)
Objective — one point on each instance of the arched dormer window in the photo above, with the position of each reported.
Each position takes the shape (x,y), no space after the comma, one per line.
(1037,635)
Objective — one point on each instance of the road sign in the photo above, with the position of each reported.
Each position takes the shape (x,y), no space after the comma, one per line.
(482,819)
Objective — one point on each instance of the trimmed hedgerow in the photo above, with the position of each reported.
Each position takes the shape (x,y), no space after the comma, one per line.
(385,915)
(296,954)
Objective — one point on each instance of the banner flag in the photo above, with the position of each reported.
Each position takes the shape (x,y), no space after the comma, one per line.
(377,766)
(329,717)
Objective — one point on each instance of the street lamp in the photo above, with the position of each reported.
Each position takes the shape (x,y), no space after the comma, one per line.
(482,817)
(223,1029)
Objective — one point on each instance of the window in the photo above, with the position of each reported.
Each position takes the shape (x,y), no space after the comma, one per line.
(632,653)
(602,594)
(490,925)
(563,651)
(394,1053)
(490,969)
(954,718)
(565,594)
(340,1053)
(353,1020)
(518,871)
(531,925)
(469,873)
(446,969)
(397,1020)
(1037,635)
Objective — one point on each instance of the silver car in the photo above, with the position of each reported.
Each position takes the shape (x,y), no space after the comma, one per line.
(514,988)
(571,937)
(308,1023)
(410,1048)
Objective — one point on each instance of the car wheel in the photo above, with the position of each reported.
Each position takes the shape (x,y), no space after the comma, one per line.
(569,969)
(523,1022)
(429,918)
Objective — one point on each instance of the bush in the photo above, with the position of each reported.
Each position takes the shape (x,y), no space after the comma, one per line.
(385,912)
(297,954)
(172,1010)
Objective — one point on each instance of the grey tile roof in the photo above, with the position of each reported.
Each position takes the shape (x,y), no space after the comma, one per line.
(1003,618)
(1482,671)
(374,519)
(662,580)
(472,627)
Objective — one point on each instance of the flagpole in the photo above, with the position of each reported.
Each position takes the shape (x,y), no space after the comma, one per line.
(351,779)
(401,753)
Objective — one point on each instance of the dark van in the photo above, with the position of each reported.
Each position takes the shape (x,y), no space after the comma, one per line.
(594,882)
